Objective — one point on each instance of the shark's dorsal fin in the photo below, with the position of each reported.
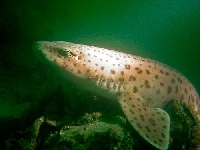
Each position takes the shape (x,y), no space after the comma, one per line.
(153,124)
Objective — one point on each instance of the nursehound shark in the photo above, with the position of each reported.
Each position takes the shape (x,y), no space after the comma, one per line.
(142,86)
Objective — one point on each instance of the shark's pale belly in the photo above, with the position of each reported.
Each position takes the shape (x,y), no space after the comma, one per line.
(141,85)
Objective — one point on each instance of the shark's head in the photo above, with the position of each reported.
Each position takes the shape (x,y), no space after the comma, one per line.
(70,57)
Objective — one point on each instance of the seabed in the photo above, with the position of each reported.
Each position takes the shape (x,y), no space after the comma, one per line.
(94,131)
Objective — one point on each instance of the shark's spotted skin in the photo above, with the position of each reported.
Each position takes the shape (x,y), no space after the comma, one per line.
(141,85)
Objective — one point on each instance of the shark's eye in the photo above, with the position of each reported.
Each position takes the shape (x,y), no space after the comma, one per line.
(65,53)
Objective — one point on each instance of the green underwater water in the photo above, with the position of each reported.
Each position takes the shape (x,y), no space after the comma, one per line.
(167,31)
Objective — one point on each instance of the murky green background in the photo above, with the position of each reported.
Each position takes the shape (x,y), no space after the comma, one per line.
(167,31)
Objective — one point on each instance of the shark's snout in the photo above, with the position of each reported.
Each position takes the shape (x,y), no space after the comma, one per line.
(38,50)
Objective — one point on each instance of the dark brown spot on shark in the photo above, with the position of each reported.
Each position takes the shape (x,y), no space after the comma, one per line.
(135,89)
(147,128)
(164,127)
(189,99)
(142,117)
(158,91)
(139,71)
(152,122)
(122,73)
(161,83)
(156,76)
(176,89)
(127,66)
(108,84)
(132,78)
(139,125)
(79,72)
(186,91)
(182,97)
(102,68)
(169,89)
(160,140)
(66,65)
(161,71)
(131,111)
(121,79)
(179,80)
(172,81)
(112,71)
(133,106)
(192,98)
(147,84)
(167,73)
(137,68)
(163,119)
(147,71)
(79,57)
(163,135)
(155,142)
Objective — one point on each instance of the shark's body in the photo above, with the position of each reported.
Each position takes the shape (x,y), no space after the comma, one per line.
(141,85)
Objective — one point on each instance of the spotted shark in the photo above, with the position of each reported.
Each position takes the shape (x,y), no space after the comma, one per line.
(142,86)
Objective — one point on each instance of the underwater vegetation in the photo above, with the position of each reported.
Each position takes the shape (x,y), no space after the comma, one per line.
(95,130)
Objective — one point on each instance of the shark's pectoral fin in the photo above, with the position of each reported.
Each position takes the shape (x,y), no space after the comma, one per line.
(152,124)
